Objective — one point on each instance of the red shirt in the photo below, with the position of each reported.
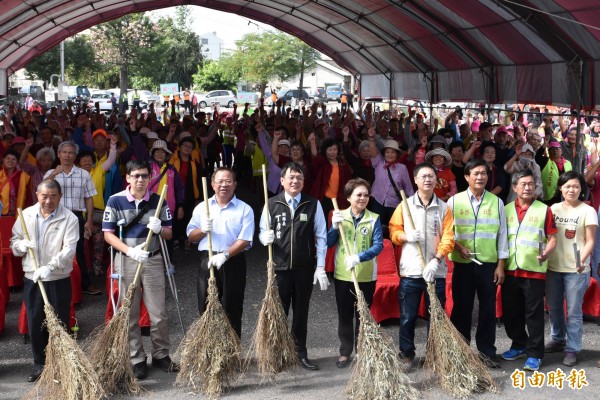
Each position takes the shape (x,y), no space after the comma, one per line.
(549,228)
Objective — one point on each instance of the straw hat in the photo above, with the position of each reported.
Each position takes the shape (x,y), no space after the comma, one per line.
(160,144)
(438,152)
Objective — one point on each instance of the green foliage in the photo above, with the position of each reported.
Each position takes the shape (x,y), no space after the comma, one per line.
(272,55)
(80,64)
(216,75)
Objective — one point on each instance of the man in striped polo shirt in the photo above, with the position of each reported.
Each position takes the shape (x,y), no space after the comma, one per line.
(137,206)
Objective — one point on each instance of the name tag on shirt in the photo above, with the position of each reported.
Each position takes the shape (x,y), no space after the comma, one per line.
(303,217)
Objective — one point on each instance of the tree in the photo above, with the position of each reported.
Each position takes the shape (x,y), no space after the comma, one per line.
(80,63)
(122,42)
(216,75)
(269,55)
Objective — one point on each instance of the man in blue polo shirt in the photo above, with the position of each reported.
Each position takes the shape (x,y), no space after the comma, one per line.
(137,206)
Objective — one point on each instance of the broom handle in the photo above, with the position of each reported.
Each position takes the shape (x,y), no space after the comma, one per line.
(264,171)
(412,223)
(138,271)
(346,246)
(208,234)
(32,254)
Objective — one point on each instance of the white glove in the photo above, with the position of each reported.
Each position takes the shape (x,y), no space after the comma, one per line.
(336,218)
(412,236)
(155,225)
(42,273)
(138,253)
(430,269)
(217,261)
(266,237)
(206,224)
(351,261)
(23,245)
(321,277)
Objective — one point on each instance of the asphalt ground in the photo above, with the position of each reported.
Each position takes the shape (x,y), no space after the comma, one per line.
(328,383)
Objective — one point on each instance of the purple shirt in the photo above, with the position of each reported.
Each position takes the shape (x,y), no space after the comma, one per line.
(382,189)
(274,178)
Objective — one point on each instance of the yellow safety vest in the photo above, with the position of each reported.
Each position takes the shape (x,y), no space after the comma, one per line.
(479,233)
(524,237)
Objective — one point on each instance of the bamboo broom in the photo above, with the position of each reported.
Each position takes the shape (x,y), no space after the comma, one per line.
(109,345)
(275,349)
(376,371)
(459,370)
(68,374)
(210,350)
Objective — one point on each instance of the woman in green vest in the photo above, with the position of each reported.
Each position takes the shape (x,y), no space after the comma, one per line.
(365,238)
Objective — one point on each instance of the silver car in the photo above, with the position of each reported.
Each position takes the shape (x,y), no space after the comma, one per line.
(103,99)
(223,97)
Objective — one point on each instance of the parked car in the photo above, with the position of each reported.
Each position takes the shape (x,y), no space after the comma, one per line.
(77,93)
(103,98)
(333,93)
(288,94)
(318,95)
(223,97)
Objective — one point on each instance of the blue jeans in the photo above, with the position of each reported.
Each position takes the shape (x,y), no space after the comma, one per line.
(410,293)
(569,286)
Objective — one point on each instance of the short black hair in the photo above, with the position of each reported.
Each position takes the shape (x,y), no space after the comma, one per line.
(327,143)
(425,164)
(478,162)
(134,165)
(567,176)
(456,143)
(232,172)
(292,166)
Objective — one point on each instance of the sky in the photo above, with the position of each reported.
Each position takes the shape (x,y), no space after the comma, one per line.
(229,27)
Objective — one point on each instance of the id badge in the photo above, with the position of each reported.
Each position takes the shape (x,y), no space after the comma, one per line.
(303,217)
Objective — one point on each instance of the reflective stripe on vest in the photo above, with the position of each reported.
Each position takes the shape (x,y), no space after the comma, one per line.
(359,239)
(523,237)
(550,177)
(228,136)
(478,233)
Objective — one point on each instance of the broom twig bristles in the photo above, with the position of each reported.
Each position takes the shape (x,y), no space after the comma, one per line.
(459,369)
(377,370)
(210,351)
(273,343)
(68,374)
(109,350)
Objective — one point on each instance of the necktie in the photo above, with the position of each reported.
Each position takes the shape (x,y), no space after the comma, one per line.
(294,204)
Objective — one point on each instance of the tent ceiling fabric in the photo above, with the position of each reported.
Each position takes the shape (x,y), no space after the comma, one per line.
(412,43)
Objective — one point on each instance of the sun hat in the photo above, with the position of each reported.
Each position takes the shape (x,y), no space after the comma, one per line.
(160,144)
(527,147)
(391,144)
(152,135)
(284,142)
(438,152)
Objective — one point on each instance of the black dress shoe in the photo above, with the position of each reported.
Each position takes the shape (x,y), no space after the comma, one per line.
(306,364)
(35,375)
(165,364)
(343,363)
(140,370)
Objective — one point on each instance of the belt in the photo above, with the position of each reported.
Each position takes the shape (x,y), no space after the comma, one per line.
(153,253)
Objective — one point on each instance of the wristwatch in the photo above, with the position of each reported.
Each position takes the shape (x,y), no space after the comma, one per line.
(226,254)
(437,258)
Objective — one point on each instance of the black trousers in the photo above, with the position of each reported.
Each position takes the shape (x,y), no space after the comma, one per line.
(523,306)
(231,282)
(295,289)
(348,317)
(80,256)
(59,295)
(467,280)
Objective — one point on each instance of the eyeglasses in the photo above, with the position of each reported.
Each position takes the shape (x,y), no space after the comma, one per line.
(294,177)
(143,177)
(223,183)
(427,177)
